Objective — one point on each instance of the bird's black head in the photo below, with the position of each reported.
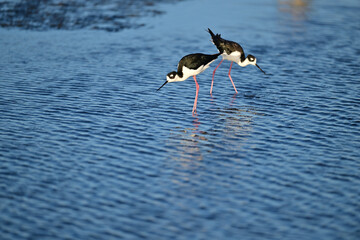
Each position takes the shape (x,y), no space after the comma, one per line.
(252,60)
(171,75)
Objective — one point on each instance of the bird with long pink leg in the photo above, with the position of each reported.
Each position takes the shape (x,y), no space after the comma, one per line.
(233,52)
(191,65)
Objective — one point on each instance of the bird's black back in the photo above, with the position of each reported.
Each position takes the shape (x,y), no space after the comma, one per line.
(196,60)
(226,45)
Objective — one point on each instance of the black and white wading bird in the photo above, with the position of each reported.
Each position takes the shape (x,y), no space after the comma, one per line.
(191,65)
(233,52)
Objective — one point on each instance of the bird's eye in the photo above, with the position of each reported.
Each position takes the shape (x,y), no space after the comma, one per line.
(171,75)
(252,59)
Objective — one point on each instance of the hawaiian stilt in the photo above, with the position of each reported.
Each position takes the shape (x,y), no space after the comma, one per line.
(233,52)
(191,65)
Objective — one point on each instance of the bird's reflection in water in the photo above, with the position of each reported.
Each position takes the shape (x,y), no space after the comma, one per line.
(218,136)
(185,141)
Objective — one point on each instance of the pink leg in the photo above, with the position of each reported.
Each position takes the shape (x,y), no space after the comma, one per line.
(196,97)
(212,82)
(231,78)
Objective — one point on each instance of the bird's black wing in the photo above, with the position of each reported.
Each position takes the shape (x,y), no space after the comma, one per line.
(226,45)
(216,39)
(230,46)
(196,60)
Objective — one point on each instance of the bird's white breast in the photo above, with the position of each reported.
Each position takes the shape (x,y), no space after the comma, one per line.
(234,56)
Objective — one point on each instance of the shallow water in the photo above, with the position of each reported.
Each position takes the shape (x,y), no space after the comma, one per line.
(109,15)
(90,150)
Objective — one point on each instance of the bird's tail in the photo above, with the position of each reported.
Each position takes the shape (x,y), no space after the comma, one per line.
(215,39)
(216,55)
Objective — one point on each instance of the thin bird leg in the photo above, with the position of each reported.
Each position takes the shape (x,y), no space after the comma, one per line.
(196,97)
(231,78)
(212,82)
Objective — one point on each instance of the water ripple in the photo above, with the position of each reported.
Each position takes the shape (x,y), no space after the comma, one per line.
(90,150)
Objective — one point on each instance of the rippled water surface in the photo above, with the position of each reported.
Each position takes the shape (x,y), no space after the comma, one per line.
(90,150)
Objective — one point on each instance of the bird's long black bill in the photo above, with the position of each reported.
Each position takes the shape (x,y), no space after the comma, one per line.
(260,69)
(162,85)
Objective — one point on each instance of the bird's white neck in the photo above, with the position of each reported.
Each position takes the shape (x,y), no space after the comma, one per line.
(244,63)
(183,78)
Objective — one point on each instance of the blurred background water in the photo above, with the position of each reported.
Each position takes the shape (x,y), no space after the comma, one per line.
(90,150)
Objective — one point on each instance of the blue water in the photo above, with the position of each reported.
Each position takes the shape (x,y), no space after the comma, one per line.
(90,150)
